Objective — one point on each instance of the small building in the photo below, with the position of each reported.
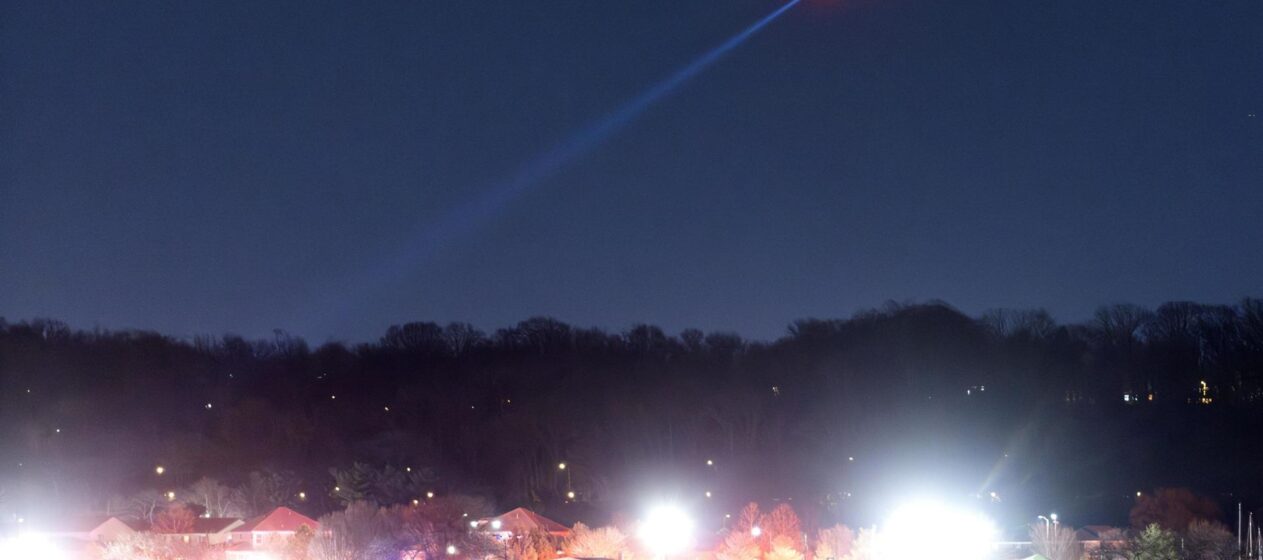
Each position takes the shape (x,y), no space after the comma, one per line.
(521,521)
(1101,539)
(207,530)
(254,538)
(89,529)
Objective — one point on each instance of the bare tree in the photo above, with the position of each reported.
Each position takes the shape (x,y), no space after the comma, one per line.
(144,505)
(603,542)
(864,547)
(1208,540)
(834,542)
(360,532)
(739,545)
(217,499)
(784,547)
(175,518)
(1056,542)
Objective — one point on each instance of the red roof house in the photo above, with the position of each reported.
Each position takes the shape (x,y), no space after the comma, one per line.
(209,530)
(521,521)
(257,535)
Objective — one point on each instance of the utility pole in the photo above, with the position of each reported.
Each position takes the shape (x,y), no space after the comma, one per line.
(1239,549)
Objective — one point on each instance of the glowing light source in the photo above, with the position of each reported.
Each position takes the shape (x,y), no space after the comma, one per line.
(30,547)
(159,470)
(931,530)
(561,466)
(451,550)
(302,495)
(171,496)
(667,530)
(710,463)
(473,524)
(570,494)
(429,495)
(495,524)
(756,531)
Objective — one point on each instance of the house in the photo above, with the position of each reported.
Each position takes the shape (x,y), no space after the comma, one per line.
(1099,539)
(255,537)
(208,530)
(520,522)
(74,537)
(90,529)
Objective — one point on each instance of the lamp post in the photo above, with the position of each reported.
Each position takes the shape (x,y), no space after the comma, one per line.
(1047,527)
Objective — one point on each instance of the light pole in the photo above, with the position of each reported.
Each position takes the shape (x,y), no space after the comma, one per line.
(1047,528)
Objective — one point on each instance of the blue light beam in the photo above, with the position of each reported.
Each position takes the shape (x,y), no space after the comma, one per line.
(470,215)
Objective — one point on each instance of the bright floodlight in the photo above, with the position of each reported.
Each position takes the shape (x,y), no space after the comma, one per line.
(930,530)
(29,546)
(667,530)
(495,524)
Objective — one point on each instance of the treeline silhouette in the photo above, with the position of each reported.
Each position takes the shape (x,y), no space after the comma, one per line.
(839,415)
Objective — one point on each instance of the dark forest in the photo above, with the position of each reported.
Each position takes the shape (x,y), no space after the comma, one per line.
(1010,408)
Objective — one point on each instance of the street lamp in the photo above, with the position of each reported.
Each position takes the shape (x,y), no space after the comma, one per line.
(159,470)
(451,550)
(756,531)
(1047,527)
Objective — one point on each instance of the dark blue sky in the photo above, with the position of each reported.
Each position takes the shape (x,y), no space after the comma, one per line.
(202,167)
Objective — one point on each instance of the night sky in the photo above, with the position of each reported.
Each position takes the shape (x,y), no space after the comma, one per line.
(205,167)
